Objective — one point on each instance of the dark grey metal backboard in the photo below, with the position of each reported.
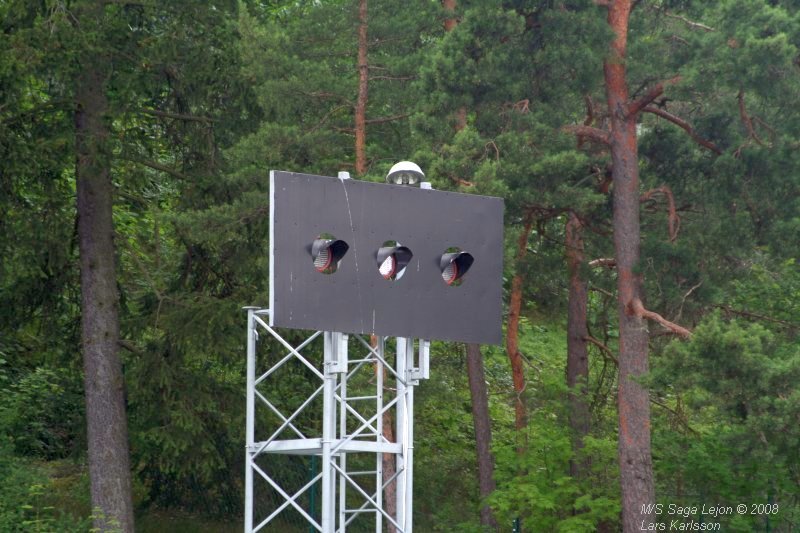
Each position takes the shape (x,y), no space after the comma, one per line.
(356,298)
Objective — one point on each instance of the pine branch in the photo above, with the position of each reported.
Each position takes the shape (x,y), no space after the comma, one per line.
(158,166)
(757,316)
(638,309)
(386,119)
(679,416)
(746,120)
(595,134)
(608,262)
(647,98)
(692,24)
(605,350)
(705,143)
(673,220)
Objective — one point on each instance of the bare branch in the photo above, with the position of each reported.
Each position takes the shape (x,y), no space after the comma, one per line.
(602,291)
(157,166)
(746,120)
(393,78)
(605,350)
(757,316)
(690,23)
(647,98)
(683,300)
(595,134)
(679,416)
(460,181)
(325,117)
(177,116)
(608,262)
(636,307)
(673,220)
(386,119)
(705,143)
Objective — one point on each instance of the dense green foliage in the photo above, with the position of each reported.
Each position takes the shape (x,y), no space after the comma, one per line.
(206,98)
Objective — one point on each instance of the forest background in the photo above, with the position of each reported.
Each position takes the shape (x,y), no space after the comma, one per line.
(174,113)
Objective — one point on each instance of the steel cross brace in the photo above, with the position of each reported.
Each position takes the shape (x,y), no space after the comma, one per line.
(352,422)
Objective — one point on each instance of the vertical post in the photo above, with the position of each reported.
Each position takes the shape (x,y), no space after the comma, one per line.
(408,454)
(379,436)
(250,422)
(328,434)
(408,435)
(401,368)
(342,435)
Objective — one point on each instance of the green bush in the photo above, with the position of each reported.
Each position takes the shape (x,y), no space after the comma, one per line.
(42,412)
(25,497)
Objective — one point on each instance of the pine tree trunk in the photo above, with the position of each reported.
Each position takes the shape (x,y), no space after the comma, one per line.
(450,6)
(512,329)
(363,86)
(636,470)
(107,430)
(450,24)
(577,354)
(483,429)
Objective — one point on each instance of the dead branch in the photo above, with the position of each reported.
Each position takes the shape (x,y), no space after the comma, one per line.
(589,132)
(647,98)
(683,300)
(589,110)
(637,308)
(705,143)
(128,345)
(602,291)
(608,262)
(496,149)
(679,416)
(692,24)
(392,78)
(158,166)
(460,181)
(523,106)
(325,117)
(757,316)
(386,119)
(589,117)
(673,220)
(177,116)
(747,121)
(325,95)
(605,350)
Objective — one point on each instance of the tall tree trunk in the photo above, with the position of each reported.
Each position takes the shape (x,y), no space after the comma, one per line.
(483,429)
(577,353)
(450,24)
(475,370)
(363,87)
(636,469)
(450,7)
(512,329)
(107,429)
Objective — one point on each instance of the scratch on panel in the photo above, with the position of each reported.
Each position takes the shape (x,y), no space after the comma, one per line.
(355,253)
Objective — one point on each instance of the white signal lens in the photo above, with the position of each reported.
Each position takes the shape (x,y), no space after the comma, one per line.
(323,261)
(388,267)
(450,273)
